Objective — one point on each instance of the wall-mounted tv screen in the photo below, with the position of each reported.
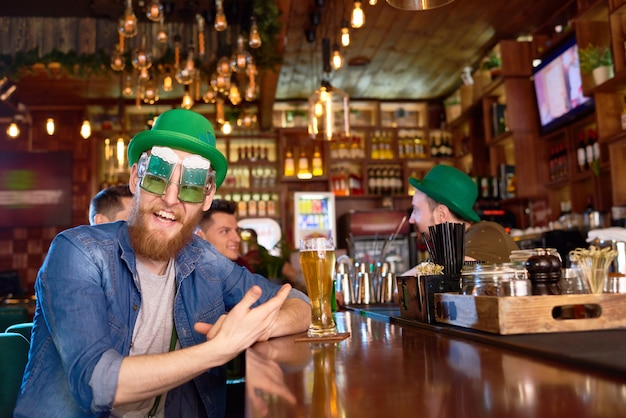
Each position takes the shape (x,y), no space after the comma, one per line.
(558,87)
(35,189)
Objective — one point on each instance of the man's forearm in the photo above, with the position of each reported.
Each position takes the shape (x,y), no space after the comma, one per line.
(146,376)
(294,317)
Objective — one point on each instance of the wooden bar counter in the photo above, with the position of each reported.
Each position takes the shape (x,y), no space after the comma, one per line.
(386,369)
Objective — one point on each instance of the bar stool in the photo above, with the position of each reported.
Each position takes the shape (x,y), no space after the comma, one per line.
(13,357)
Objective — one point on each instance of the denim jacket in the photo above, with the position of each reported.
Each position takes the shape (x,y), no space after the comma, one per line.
(87,305)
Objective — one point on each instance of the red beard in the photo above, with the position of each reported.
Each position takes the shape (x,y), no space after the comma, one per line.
(155,245)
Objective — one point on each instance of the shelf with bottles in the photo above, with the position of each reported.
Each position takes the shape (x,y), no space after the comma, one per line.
(346,179)
(250,149)
(441,144)
(385,179)
(381,144)
(263,177)
(348,147)
(412,144)
(558,157)
(305,161)
(253,204)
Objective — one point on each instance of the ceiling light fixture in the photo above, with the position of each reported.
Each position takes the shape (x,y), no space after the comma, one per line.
(358,17)
(154,11)
(128,22)
(345,33)
(50,126)
(4,96)
(220,18)
(187,102)
(336,59)
(13,131)
(85,129)
(255,39)
(418,4)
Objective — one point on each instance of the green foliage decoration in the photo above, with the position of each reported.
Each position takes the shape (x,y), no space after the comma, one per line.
(593,56)
(83,66)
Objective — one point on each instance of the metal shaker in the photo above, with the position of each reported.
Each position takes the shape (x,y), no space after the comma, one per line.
(344,283)
(388,284)
(368,295)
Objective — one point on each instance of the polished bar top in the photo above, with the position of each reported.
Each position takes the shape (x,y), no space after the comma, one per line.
(388,370)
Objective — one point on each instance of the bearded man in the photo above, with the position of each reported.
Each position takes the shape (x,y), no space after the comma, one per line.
(138,318)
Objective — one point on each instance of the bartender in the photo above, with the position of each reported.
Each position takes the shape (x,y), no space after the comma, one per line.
(446,194)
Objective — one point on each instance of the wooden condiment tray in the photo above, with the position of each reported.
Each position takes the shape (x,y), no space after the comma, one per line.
(532,314)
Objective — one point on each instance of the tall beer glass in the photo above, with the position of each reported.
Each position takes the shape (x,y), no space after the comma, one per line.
(317,260)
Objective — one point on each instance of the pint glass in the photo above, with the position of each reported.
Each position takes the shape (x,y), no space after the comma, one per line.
(317,260)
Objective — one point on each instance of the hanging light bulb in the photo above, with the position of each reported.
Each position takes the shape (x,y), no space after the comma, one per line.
(234,95)
(162,33)
(373,2)
(255,38)
(107,149)
(220,18)
(241,58)
(120,147)
(337,59)
(358,17)
(128,22)
(155,10)
(219,110)
(188,71)
(150,92)
(345,33)
(318,109)
(177,43)
(201,46)
(251,93)
(13,130)
(187,102)
(210,95)
(117,60)
(223,66)
(168,81)
(220,82)
(227,128)
(127,90)
(85,129)
(144,75)
(142,59)
(50,126)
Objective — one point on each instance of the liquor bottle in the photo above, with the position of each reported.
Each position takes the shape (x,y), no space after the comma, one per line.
(290,167)
(596,147)
(589,148)
(316,163)
(375,152)
(581,154)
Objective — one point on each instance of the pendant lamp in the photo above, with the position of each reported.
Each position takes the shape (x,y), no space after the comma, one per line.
(418,4)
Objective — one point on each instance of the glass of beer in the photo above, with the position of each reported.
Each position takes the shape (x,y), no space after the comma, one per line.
(317,260)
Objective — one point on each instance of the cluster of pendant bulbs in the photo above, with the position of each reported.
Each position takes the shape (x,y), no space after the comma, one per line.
(185,73)
(357,20)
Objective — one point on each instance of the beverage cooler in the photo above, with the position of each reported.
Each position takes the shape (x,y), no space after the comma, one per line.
(364,234)
(314,215)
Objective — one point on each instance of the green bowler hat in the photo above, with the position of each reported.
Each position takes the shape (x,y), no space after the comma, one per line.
(451,187)
(183,130)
